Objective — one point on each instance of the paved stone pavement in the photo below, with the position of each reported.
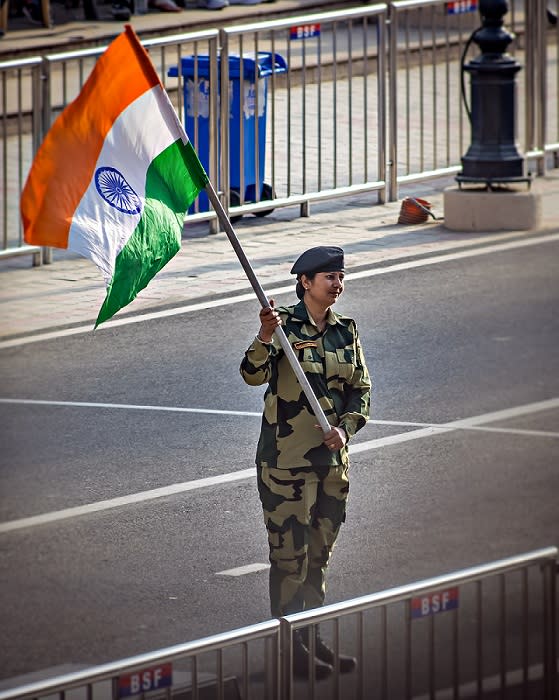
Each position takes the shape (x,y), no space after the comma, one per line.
(70,291)
(72,31)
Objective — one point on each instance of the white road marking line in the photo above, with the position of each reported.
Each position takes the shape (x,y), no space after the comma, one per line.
(512,431)
(174,489)
(504,414)
(243,570)
(459,255)
(432,427)
(249,296)
(507,413)
(132,407)
(170,490)
(396,439)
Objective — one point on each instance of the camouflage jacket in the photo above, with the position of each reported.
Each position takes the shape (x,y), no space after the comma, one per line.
(334,364)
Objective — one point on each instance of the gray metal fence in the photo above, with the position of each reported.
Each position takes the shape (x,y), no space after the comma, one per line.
(21,134)
(218,667)
(365,99)
(326,127)
(488,631)
(36,90)
(485,632)
(428,125)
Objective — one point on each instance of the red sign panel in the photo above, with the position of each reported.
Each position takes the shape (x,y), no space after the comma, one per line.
(145,680)
(457,7)
(305,31)
(433,603)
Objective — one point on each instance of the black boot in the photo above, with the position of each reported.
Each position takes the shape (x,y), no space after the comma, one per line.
(346,663)
(322,652)
(301,661)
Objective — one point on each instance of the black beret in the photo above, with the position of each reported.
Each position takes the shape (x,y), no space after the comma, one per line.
(320,259)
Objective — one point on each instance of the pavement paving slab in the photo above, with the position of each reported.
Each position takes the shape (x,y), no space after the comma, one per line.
(70,291)
(72,31)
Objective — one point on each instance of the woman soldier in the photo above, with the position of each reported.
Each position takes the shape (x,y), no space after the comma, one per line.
(302,472)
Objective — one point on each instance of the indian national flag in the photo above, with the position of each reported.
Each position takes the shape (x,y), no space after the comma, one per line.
(115,175)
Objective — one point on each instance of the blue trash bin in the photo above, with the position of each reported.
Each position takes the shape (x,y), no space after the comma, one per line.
(196,109)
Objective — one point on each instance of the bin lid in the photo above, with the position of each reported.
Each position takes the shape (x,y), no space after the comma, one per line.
(265,63)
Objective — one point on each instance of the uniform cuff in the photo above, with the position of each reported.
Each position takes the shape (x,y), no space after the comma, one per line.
(259,352)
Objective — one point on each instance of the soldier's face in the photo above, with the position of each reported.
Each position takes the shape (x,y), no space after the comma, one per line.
(325,287)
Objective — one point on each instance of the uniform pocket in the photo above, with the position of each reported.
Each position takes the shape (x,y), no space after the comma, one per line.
(310,360)
(345,358)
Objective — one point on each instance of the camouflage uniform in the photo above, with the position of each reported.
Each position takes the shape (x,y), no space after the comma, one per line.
(303,486)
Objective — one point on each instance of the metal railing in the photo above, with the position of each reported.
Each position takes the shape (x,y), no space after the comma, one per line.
(427,48)
(194,669)
(21,134)
(485,631)
(326,131)
(34,93)
(370,100)
(424,78)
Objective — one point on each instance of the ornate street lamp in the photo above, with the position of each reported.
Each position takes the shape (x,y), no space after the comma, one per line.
(493,156)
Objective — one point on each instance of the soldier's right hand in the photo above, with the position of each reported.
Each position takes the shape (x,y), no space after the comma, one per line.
(269,320)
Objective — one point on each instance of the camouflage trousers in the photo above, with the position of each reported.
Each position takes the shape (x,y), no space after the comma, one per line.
(303,511)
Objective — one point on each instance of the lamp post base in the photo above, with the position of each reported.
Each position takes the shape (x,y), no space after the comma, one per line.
(492,183)
(481,211)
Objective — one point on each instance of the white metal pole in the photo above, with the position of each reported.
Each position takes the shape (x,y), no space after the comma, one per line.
(263,299)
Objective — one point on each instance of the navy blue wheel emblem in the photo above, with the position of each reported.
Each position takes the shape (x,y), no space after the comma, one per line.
(113,188)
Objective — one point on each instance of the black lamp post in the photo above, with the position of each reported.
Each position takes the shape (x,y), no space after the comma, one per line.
(492,156)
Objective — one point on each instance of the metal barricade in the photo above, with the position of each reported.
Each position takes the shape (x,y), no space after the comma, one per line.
(36,90)
(549,56)
(487,631)
(326,131)
(243,664)
(428,130)
(483,632)
(332,128)
(428,125)
(21,134)
(66,73)
(541,81)
(171,50)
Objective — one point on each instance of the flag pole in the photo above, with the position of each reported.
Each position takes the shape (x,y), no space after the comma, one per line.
(263,299)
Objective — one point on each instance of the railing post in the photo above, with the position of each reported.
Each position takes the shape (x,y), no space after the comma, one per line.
(213,127)
(38,132)
(392,163)
(285,657)
(382,25)
(224,107)
(529,82)
(549,572)
(44,97)
(541,89)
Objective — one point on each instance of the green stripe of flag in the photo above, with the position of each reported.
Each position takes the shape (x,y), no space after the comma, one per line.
(173,180)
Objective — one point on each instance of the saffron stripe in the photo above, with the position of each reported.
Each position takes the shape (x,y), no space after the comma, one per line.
(47,203)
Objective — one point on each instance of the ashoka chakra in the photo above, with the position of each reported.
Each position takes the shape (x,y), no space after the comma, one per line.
(112,186)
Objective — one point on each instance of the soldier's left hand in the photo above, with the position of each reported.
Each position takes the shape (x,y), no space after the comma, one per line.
(335,439)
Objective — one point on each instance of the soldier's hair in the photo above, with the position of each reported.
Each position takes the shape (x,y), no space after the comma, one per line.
(299,289)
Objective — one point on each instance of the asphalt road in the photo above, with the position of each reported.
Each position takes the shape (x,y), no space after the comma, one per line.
(456,340)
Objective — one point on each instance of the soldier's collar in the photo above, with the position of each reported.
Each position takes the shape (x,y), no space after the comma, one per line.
(300,313)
